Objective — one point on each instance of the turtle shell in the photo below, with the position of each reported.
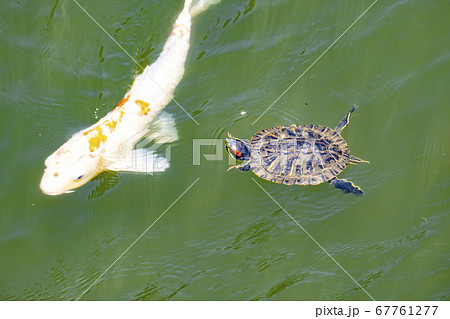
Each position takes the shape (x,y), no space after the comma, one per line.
(301,155)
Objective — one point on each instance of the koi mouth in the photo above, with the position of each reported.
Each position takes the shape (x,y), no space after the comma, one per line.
(52,192)
(46,192)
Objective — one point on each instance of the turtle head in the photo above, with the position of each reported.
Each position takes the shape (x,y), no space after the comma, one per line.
(237,148)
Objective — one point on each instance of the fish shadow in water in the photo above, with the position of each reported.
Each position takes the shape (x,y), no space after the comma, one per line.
(108,180)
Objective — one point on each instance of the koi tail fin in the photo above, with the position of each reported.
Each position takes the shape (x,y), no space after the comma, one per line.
(201,5)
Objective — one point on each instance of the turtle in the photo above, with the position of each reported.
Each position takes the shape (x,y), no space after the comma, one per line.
(297,154)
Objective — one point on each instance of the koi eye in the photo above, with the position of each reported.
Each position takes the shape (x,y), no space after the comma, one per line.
(79,177)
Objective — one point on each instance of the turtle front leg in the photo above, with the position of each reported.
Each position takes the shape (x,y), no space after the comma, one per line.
(243,167)
(346,186)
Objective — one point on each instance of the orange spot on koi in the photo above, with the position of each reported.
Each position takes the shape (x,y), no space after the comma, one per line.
(62,151)
(123,101)
(112,125)
(179,29)
(95,141)
(144,107)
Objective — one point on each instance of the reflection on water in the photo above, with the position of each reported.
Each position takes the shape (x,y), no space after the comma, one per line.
(107,181)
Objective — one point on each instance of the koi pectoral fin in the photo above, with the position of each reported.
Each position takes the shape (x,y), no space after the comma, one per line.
(140,161)
(165,126)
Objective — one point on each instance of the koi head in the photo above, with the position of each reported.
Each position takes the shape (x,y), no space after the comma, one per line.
(70,166)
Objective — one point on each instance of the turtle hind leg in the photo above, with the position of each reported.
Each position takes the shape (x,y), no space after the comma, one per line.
(355,160)
(344,122)
(346,186)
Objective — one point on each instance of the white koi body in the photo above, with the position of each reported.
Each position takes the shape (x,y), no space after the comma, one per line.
(103,146)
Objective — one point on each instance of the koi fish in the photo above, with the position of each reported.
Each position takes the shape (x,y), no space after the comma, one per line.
(108,144)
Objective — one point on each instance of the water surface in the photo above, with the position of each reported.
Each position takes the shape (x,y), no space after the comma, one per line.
(225,239)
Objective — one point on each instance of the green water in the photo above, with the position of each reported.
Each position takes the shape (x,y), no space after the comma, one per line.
(226,239)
